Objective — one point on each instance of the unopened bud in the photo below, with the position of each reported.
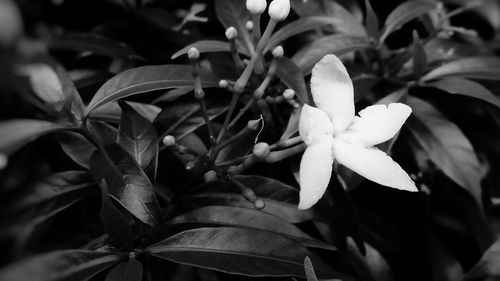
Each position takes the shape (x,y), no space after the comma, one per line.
(249,25)
(3,161)
(279,9)
(11,24)
(289,94)
(193,53)
(256,6)
(223,83)
(210,176)
(169,140)
(278,52)
(253,124)
(259,204)
(231,33)
(261,150)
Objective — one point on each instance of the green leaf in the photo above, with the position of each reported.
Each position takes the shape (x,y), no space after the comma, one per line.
(149,78)
(419,56)
(105,133)
(371,20)
(297,27)
(127,183)
(461,86)
(234,13)
(244,217)
(309,270)
(207,46)
(238,251)
(446,146)
(114,222)
(173,95)
(130,270)
(88,42)
(138,137)
(292,76)
(77,147)
(64,265)
(404,13)
(16,133)
(474,67)
(112,112)
(338,44)
(46,198)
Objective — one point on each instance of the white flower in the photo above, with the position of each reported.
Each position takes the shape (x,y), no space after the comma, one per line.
(332,132)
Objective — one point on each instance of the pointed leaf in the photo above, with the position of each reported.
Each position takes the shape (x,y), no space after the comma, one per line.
(114,222)
(238,251)
(338,44)
(371,20)
(404,13)
(126,182)
(138,137)
(130,270)
(111,112)
(64,265)
(419,56)
(16,133)
(77,147)
(474,67)
(446,146)
(46,198)
(249,218)
(292,76)
(234,13)
(149,78)
(172,94)
(461,86)
(207,46)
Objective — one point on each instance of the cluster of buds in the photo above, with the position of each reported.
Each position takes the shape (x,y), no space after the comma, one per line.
(278,9)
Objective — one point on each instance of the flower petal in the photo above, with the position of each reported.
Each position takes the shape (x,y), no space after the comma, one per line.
(333,92)
(372,164)
(315,172)
(379,123)
(314,124)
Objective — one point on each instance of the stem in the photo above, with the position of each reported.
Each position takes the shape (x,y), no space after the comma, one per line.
(200,96)
(240,84)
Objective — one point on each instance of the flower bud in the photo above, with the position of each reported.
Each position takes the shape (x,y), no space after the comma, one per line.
(289,94)
(193,54)
(3,161)
(278,52)
(249,25)
(279,9)
(261,150)
(223,83)
(231,33)
(210,176)
(253,124)
(11,24)
(169,140)
(256,6)
(259,204)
